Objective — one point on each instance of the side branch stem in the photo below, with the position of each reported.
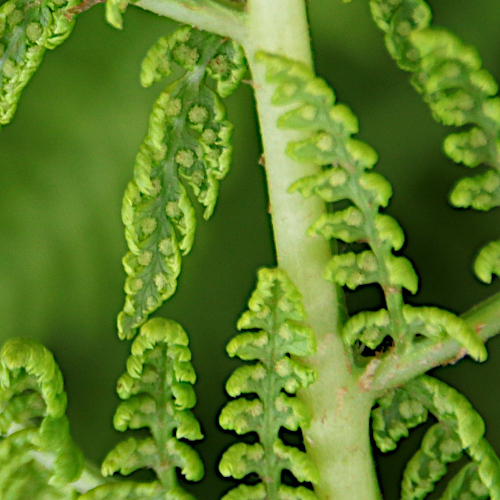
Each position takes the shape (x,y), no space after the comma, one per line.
(206,15)
(394,371)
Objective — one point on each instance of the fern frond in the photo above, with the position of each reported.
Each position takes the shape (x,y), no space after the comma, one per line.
(127,490)
(158,394)
(348,178)
(459,430)
(27,29)
(276,320)
(466,484)
(459,92)
(36,449)
(188,142)
(488,262)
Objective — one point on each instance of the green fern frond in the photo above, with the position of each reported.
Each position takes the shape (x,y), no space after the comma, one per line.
(466,484)
(348,178)
(488,262)
(114,12)
(276,320)
(36,449)
(27,29)
(158,394)
(459,429)
(330,128)
(459,92)
(188,143)
(448,74)
(127,490)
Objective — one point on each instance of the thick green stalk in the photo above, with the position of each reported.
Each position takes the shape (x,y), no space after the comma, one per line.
(338,438)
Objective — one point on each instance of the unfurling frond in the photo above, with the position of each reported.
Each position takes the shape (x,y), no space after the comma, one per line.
(37,454)
(459,430)
(274,331)
(347,176)
(158,394)
(188,144)
(27,29)
(459,92)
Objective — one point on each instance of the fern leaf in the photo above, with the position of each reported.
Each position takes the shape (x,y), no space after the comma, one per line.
(459,92)
(348,178)
(440,446)
(488,262)
(330,127)
(276,318)
(36,449)
(27,29)
(158,394)
(188,144)
(127,490)
(459,430)
(466,484)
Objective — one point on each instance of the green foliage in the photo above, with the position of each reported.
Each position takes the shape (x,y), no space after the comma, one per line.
(27,29)
(459,92)
(127,490)
(37,453)
(158,394)
(459,429)
(347,178)
(185,154)
(188,142)
(274,331)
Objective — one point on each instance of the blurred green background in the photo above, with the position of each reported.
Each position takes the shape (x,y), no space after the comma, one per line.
(69,153)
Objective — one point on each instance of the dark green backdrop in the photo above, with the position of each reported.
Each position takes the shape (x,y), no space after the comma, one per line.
(68,155)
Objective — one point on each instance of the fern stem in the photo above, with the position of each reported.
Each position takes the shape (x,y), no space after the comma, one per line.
(484,319)
(206,15)
(338,439)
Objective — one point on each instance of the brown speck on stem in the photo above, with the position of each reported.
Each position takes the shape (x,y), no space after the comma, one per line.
(248,82)
(479,327)
(341,392)
(81,7)
(365,380)
(310,441)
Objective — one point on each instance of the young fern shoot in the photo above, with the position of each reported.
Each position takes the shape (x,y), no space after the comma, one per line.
(329,127)
(189,139)
(321,382)
(158,394)
(460,93)
(37,454)
(274,330)
(27,30)
(411,329)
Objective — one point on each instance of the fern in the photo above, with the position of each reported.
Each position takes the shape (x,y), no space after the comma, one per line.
(460,93)
(330,127)
(27,29)
(459,429)
(322,380)
(189,139)
(158,395)
(37,453)
(274,330)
